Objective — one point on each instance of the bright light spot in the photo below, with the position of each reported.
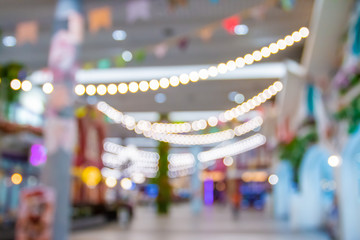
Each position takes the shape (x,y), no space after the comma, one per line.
(48,88)
(274,48)
(289,40)
(222,68)
(126,183)
(15,84)
(278,86)
(194,76)
(90,90)
(296,36)
(138,178)
(304,32)
(80,90)
(265,51)
(273,179)
(228,161)
(123,88)
(133,87)
(281,44)
(112,89)
(213,72)
(239,98)
(154,84)
(101,89)
(184,78)
(241,29)
(164,83)
(257,55)
(174,81)
(110,182)
(16,178)
(203,74)
(232,95)
(127,56)
(91,176)
(160,98)
(240,62)
(334,161)
(26,85)
(144,86)
(119,35)
(213,121)
(249,59)
(9,41)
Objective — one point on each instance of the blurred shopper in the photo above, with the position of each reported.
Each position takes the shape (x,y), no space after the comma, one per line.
(236,204)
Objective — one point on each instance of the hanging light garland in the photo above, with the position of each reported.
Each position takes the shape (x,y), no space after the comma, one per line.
(146,127)
(241,146)
(194,76)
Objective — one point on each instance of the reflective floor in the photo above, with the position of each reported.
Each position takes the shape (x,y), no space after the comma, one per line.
(213,223)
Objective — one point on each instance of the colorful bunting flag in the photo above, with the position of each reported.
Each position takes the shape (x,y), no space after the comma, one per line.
(140,55)
(173,4)
(288,5)
(160,50)
(137,9)
(104,63)
(206,33)
(27,32)
(230,23)
(119,61)
(183,43)
(214,1)
(99,18)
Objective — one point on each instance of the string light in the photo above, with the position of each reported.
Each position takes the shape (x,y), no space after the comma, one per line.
(213,71)
(48,88)
(15,84)
(233,149)
(164,131)
(26,85)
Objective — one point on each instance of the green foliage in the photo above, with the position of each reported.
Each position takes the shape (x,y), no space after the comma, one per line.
(351,113)
(295,150)
(7,73)
(164,198)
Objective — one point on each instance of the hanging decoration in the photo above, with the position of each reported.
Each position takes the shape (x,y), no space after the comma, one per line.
(27,32)
(99,18)
(137,10)
(230,23)
(288,5)
(174,4)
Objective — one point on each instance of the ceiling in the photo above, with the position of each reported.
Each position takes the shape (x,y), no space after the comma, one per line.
(202,96)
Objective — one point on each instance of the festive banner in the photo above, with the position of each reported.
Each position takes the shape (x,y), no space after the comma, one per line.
(99,18)
(160,50)
(174,4)
(206,33)
(27,32)
(137,9)
(230,23)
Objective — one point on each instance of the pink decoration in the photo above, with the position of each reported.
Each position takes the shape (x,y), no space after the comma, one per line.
(160,50)
(230,23)
(27,32)
(137,9)
(37,155)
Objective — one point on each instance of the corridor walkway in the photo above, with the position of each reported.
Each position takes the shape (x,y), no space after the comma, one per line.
(213,223)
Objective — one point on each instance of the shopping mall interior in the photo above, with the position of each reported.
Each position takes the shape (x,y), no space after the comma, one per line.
(180,119)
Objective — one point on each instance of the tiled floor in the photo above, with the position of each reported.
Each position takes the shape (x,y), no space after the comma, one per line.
(213,223)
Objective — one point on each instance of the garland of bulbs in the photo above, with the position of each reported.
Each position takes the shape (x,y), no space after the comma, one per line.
(175,81)
(164,132)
